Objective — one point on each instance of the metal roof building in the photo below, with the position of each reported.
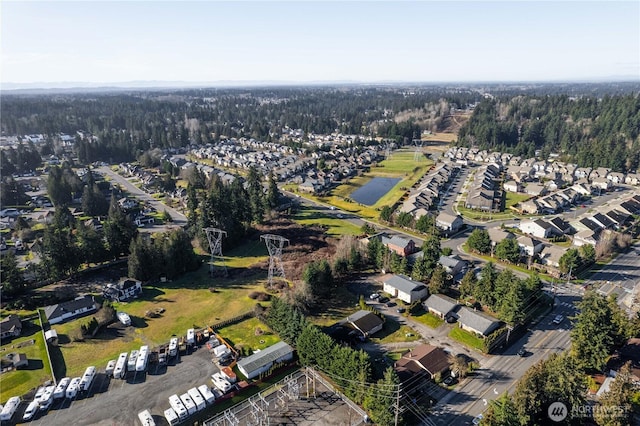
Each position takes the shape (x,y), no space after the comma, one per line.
(262,361)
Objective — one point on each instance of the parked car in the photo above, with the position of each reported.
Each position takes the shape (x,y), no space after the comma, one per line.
(522,352)
(383,299)
(558,319)
(374,296)
(389,304)
(401,310)
(449,380)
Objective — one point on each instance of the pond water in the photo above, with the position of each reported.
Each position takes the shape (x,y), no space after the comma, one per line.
(370,193)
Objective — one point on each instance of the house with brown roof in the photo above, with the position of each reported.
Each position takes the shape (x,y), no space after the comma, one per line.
(366,322)
(424,358)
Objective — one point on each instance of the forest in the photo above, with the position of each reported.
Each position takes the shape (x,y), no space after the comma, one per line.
(588,131)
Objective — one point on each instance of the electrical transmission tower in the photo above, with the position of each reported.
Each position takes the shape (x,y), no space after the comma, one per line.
(274,243)
(417,155)
(387,152)
(214,235)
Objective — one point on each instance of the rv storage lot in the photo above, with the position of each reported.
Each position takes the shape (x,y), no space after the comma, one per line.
(117,402)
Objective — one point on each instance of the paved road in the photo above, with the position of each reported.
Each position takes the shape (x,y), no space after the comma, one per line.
(500,373)
(178,218)
(620,277)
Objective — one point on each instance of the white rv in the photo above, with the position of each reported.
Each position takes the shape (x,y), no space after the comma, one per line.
(220,382)
(87,378)
(62,386)
(72,389)
(173,346)
(207,394)
(121,366)
(124,318)
(191,336)
(31,411)
(197,399)
(47,398)
(188,403)
(111,366)
(178,407)
(10,408)
(131,365)
(146,419)
(171,416)
(143,356)
(221,350)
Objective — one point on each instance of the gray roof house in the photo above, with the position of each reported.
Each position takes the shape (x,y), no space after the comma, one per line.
(263,360)
(440,305)
(477,322)
(452,264)
(404,288)
(449,223)
(10,326)
(69,310)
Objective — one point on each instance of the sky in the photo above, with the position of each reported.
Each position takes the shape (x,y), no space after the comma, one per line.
(318,41)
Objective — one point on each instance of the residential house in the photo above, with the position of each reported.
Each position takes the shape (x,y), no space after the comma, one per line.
(496,235)
(563,226)
(539,228)
(453,265)
(480,199)
(512,186)
(11,326)
(535,189)
(632,179)
(366,322)
(404,288)
(430,359)
(530,207)
(68,310)
(124,289)
(440,305)
(601,183)
(586,236)
(449,223)
(529,246)
(400,245)
(550,255)
(477,322)
(260,362)
(603,221)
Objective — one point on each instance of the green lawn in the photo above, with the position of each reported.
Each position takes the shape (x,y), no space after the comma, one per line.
(513,198)
(429,320)
(394,332)
(250,333)
(19,382)
(188,303)
(467,338)
(335,227)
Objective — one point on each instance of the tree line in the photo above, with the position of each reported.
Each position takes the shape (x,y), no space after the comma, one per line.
(349,369)
(590,131)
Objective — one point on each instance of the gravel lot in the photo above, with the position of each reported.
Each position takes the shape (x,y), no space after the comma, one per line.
(118,402)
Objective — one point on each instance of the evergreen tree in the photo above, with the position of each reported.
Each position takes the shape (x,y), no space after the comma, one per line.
(119,230)
(437,283)
(615,405)
(13,282)
(479,241)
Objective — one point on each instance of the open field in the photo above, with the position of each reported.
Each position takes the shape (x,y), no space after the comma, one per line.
(188,303)
(513,198)
(19,382)
(440,137)
(250,333)
(335,227)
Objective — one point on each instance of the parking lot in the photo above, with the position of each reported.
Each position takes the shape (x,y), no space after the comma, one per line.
(117,402)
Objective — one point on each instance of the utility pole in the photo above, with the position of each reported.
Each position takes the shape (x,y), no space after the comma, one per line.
(397,405)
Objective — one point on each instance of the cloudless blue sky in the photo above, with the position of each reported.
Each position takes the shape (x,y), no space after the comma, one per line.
(208,41)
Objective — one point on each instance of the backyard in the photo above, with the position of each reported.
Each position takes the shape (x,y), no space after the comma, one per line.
(31,342)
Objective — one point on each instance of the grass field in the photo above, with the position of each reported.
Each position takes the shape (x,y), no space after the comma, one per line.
(188,303)
(250,333)
(429,320)
(335,227)
(19,382)
(467,339)
(513,198)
